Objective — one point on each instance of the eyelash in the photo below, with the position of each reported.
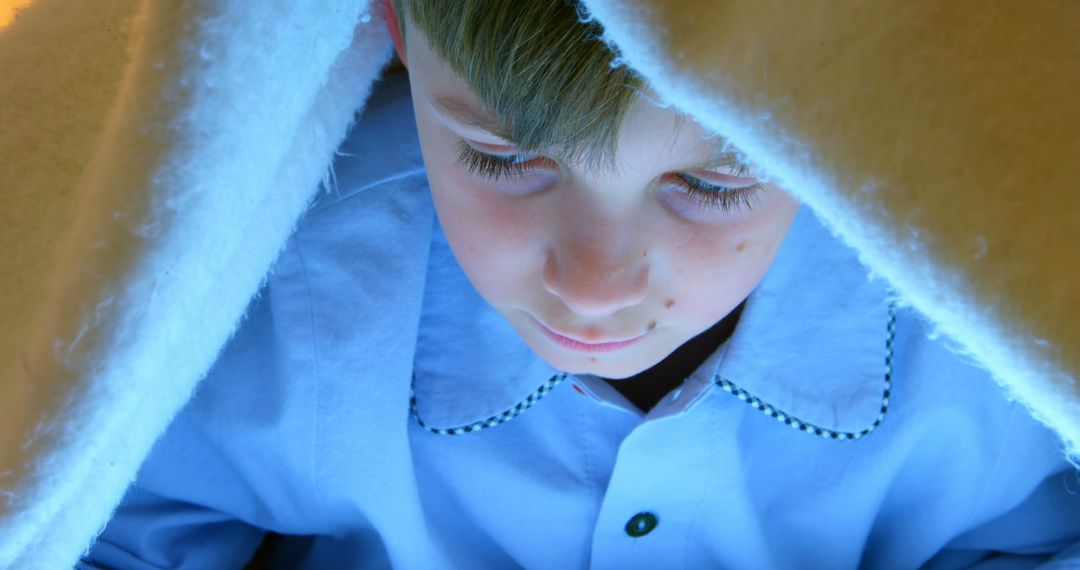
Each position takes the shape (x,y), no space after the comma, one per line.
(495,167)
(728,200)
(490,165)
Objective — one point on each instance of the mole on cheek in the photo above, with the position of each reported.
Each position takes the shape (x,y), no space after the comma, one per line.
(652,325)
(740,246)
(670,303)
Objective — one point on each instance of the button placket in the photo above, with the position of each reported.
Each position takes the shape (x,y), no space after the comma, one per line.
(654,491)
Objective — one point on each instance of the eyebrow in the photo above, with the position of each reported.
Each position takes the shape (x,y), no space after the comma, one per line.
(468,116)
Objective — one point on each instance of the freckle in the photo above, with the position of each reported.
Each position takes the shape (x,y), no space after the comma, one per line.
(740,246)
(670,303)
(652,325)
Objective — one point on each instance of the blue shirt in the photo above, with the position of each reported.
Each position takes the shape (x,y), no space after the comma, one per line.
(373,407)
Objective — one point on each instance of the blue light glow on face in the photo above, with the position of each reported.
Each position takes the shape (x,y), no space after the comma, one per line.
(655,250)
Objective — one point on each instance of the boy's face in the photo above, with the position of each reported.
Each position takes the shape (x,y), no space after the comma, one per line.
(577,261)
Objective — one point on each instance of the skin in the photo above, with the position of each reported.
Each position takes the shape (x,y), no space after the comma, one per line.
(596,256)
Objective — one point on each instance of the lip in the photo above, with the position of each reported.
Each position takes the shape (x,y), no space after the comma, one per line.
(581,346)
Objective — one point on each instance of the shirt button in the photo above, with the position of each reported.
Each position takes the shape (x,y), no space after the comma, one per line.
(641,524)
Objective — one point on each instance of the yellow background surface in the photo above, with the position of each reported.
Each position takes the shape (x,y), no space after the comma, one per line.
(8,8)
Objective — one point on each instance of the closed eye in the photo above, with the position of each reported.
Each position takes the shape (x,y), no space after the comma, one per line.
(726,199)
(495,166)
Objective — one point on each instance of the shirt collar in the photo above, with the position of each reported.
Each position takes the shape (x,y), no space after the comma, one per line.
(812,338)
(811,342)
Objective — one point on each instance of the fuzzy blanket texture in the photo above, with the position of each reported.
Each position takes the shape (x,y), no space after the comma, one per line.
(155,156)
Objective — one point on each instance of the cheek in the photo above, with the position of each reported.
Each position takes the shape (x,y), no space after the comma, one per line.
(491,240)
(709,280)
(716,270)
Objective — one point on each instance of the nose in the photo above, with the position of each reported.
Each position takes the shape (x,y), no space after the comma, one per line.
(598,271)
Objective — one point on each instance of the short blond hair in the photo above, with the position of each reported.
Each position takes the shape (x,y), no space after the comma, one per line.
(539,65)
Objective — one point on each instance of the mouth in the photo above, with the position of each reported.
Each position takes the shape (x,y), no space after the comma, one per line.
(582,346)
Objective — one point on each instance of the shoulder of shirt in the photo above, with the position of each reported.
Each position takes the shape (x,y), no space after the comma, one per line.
(259,403)
(381,146)
(381,154)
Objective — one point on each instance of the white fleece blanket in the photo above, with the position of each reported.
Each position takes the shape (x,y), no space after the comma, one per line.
(154,157)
